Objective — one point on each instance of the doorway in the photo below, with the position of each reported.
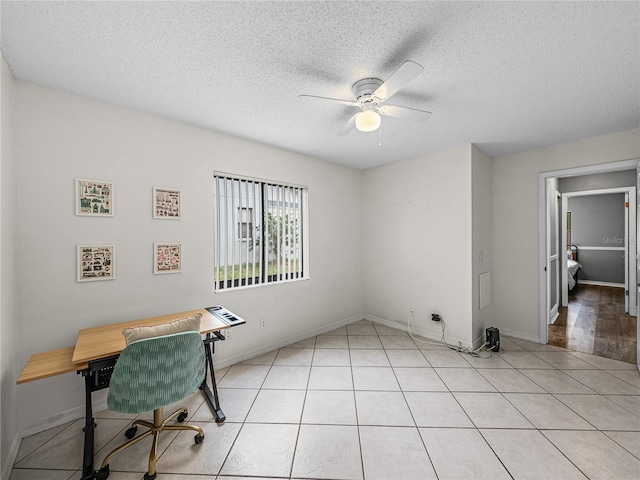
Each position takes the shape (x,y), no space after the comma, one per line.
(597,314)
(549,287)
(601,235)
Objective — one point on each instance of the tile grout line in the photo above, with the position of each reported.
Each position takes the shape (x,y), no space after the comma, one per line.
(476,369)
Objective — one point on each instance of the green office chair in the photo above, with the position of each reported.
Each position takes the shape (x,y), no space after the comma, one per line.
(150,374)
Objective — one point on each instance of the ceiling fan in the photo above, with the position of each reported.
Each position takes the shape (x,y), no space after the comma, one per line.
(371,95)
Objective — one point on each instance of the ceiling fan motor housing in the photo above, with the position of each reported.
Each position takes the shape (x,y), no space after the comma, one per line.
(363,90)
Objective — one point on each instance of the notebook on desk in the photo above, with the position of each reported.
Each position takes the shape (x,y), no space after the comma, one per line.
(225,315)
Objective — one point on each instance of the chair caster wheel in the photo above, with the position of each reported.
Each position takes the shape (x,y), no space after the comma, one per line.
(103,473)
(198,438)
(182,417)
(131,432)
(149,477)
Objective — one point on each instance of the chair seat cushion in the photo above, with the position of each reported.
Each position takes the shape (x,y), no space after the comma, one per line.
(187,324)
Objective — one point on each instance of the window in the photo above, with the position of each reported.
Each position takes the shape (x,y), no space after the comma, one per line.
(259,232)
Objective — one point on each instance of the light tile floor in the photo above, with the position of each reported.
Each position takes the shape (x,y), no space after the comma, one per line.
(367,402)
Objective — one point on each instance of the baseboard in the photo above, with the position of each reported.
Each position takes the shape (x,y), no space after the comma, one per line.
(56,420)
(100,403)
(11,456)
(520,335)
(416,330)
(43,424)
(384,321)
(232,360)
(601,284)
(480,341)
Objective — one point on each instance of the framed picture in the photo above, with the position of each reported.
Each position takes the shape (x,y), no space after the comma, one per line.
(94,198)
(167,258)
(166,203)
(96,262)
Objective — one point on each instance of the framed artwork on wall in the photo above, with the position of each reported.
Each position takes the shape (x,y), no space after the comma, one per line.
(94,198)
(167,258)
(96,262)
(166,203)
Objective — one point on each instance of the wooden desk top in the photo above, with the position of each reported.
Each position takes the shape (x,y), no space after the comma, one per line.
(47,364)
(100,342)
(107,340)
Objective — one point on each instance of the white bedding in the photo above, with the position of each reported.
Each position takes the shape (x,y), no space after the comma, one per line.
(572,268)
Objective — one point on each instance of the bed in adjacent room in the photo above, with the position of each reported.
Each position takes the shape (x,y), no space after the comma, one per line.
(572,267)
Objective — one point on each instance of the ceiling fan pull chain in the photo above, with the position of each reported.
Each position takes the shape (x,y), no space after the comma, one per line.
(380,136)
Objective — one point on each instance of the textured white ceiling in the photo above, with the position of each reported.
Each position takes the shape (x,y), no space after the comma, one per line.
(507,76)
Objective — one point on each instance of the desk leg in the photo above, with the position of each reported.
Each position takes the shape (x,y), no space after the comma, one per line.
(212,396)
(89,426)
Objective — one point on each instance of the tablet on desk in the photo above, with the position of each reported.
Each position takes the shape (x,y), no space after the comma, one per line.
(225,315)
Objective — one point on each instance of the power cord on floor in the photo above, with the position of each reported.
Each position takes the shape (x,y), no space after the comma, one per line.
(458,348)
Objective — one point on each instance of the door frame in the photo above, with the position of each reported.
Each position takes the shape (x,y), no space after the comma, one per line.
(543,273)
(553,207)
(629,241)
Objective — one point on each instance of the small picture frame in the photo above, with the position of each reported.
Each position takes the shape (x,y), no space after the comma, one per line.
(96,262)
(167,203)
(94,197)
(167,258)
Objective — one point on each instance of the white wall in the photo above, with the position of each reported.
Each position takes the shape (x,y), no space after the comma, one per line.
(515,221)
(9,405)
(405,235)
(417,242)
(482,244)
(60,137)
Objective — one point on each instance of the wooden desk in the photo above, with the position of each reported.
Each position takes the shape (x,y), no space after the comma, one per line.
(95,354)
(47,364)
(107,340)
(100,342)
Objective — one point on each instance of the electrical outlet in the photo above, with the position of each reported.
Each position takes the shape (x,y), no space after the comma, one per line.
(227,334)
(263,323)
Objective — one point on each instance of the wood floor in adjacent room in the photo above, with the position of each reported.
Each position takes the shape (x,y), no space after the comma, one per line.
(595,323)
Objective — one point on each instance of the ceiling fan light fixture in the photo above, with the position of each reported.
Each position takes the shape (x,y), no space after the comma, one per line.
(368,121)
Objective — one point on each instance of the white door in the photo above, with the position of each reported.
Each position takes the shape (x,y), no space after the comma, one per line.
(564,282)
(629,291)
(554,256)
(631,252)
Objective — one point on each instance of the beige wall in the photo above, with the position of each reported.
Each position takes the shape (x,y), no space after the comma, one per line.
(405,235)
(516,215)
(417,242)
(60,137)
(482,244)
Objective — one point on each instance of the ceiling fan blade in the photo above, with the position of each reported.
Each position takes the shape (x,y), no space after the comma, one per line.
(398,79)
(404,113)
(347,126)
(351,103)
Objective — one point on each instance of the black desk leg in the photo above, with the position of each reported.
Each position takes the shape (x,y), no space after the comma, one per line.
(89,426)
(212,397)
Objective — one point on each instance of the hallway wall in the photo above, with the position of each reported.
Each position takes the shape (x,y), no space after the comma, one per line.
(516,215)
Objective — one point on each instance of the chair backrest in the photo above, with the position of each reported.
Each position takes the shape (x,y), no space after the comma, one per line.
(155,372)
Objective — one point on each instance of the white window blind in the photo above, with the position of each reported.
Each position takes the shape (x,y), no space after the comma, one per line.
(259,232)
